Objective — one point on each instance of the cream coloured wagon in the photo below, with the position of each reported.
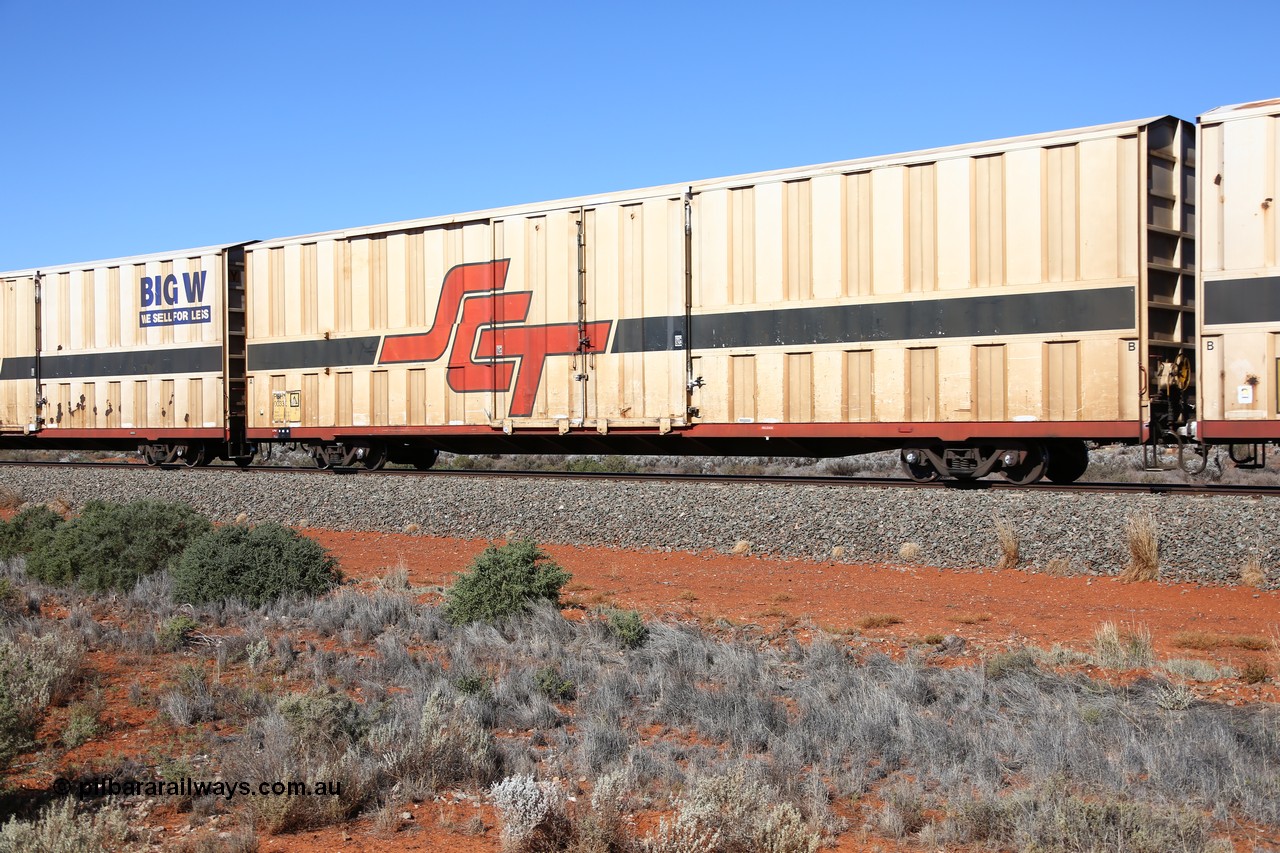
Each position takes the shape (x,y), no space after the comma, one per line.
(984,307)
(1239,279)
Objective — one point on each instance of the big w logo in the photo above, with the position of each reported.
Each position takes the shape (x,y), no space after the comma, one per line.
(491,336)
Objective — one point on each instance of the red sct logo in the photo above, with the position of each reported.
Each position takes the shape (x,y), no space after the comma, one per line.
(493,346)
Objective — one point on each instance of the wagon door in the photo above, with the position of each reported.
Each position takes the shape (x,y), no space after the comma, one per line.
(18,354)
(593,309)
(533,339)
(637,311)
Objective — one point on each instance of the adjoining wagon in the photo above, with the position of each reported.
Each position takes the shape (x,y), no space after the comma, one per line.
(144,352)
(1238,283)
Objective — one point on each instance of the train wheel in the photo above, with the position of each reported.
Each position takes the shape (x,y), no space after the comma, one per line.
(149,455)
(918,466)
(426,459)
(321,458)
(375,457)
(1032,467)
(1068,461)
(191,454)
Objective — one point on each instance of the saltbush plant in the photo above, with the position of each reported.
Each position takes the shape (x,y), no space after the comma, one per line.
(254,564)
(18,536)
(113,546)
(502,581)
(174,632)
(628,628)
(35,672)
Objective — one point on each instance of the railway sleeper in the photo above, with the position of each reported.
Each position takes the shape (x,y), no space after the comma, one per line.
(1061,460)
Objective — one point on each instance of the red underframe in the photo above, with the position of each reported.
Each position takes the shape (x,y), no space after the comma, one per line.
(905,432)
(142,434)
(1268,430)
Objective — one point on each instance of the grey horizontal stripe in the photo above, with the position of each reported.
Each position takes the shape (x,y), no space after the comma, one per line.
(300,355)
(1054,312)
(1242,300)
(142,362)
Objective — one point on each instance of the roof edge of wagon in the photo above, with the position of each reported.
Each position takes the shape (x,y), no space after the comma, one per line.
(679,187)
(127,259)
(1233,111)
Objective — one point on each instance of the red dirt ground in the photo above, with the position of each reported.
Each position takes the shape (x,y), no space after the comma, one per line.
(1023,609)
(991,609)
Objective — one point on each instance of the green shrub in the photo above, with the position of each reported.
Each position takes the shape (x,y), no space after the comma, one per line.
(504,580)
(470,684)
(19,535)
(254,564)
(322,718)
(553,685)
(82,726)
(113,546)
(1007,663)
(173,633)
(628,628)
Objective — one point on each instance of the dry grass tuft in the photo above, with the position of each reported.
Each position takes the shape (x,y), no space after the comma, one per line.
(1204,641)
(909,551)
(1144,549)
(927,640)
(688,595)
(61,506)
(1251,573)
(837,552)
(1251,642)
(10,498)
(1059,567)
(1009,545)
(1254,672)
(879,620)
(1127,648)
(242,518)
(412,527)
(742,546)
(1199,640)
(971,618)
(395,578)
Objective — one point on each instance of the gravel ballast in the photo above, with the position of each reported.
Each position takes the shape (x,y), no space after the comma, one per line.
(1202,539)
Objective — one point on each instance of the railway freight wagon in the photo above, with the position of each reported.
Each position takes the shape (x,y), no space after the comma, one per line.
(1239,278)
(982,308)
(142,353)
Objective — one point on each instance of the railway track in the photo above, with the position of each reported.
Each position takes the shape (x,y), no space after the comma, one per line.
(1189,489)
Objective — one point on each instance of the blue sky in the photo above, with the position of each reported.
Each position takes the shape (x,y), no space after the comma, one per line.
(141,127)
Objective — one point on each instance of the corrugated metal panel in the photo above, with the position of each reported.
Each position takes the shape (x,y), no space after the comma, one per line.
(910,240)
(155,316)
(859,384)
(1238,285)
(989,382)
